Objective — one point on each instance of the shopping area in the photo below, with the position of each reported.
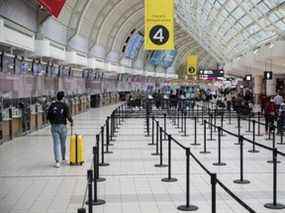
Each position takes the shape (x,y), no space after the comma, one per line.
(169,106)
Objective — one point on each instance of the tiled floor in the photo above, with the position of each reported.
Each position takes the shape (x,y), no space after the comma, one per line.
(29,183)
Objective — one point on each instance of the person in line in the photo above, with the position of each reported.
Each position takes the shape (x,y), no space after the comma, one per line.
(269,114)
(278,100)
(58,114)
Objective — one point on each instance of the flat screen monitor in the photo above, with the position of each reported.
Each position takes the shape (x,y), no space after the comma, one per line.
(134,44)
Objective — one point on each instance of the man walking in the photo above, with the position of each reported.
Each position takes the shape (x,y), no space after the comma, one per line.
(58,114)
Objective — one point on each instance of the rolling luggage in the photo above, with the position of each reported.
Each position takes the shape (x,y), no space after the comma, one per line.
(76,149)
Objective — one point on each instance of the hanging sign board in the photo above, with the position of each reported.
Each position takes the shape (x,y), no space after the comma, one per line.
(192,61)
(159,24)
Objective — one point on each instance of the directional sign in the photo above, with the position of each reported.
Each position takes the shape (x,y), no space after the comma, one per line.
(159,24)
(192,61)
(268,75)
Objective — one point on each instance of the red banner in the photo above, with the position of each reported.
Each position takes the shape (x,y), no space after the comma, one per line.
(53,6)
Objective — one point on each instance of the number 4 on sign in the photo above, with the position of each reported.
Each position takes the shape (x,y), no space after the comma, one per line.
(159,35)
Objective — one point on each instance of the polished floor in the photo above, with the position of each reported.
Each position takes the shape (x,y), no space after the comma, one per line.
(30,184)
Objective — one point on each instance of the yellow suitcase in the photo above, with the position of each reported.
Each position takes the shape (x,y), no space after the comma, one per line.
(76,150)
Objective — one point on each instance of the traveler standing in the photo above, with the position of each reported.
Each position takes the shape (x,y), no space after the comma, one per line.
(58,114)
(278,100)
(269,113)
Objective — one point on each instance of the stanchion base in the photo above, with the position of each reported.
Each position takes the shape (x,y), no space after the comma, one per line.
(81,210)
(154,154)
(281,143)
(104,164)
(211,139)
(97,202)
(169,180)
(253,151)
(237,144)
(109,152)
(195,144)
(151,144)
(219,164)
(203,152)
(100,179)
(274,206)
(187,208)
(160,165)
(242,181)
(271,161)
(147,135)
(185,135)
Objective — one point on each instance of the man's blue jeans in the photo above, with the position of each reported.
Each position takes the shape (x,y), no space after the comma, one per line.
(59,134)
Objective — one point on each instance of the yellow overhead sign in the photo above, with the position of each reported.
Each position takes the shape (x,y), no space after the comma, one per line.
(192,62)
(159,24)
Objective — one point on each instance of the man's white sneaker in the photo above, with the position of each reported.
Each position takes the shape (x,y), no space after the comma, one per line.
(57,165)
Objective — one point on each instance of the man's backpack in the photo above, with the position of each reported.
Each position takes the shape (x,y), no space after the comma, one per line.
(56,112)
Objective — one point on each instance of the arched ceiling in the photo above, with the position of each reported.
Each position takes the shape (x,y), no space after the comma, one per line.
(218,30)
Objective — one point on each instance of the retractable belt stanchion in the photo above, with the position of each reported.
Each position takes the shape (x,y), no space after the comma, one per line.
(219,163)
(238,121)
(161,151)
(178,122)
(169,178)
(215,121)
(107,137)
(258,127)
(281,136)
(230,117)
(222,124)
(157,139)
(195,132)
(152,132)
(214,192)
(182,121)
(253,150)
(205,139)
(202,114)
(96,160)
(185,125)
(273,145)
(274,204)
(241,180)
(102,149)
(187,207)
(164,126)
(248,124)
(211,132)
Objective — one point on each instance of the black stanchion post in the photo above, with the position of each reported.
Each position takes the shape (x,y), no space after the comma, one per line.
(195,132)
(211,132)
(187,207)
(178,122)
(157,139)
(96,161)
(222,124)
(185,125)
(273,144)
(248,124)
(107,137)
(214,192)
(164,125)
(230,117)
(81,210)
(152,132)
(202,114)
(90,196)
(205,139)
(215,121)
(274,204)
(169,178)
(253,138)
(241,180)
(238,121)
(258,127)
(281,136)
(102,149)
(161,150)
(182,121)
(219,163)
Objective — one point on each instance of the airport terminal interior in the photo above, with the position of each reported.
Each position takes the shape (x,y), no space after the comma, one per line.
(142,106)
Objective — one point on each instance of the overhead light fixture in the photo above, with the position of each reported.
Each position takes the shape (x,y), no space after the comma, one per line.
(271,45)
(256,51)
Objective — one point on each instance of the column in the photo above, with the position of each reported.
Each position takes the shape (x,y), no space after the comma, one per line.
(271,87)
(258,87)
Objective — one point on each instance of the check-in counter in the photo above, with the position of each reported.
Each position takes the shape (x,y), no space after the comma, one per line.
(17,129)
(33,120)
(39,117)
